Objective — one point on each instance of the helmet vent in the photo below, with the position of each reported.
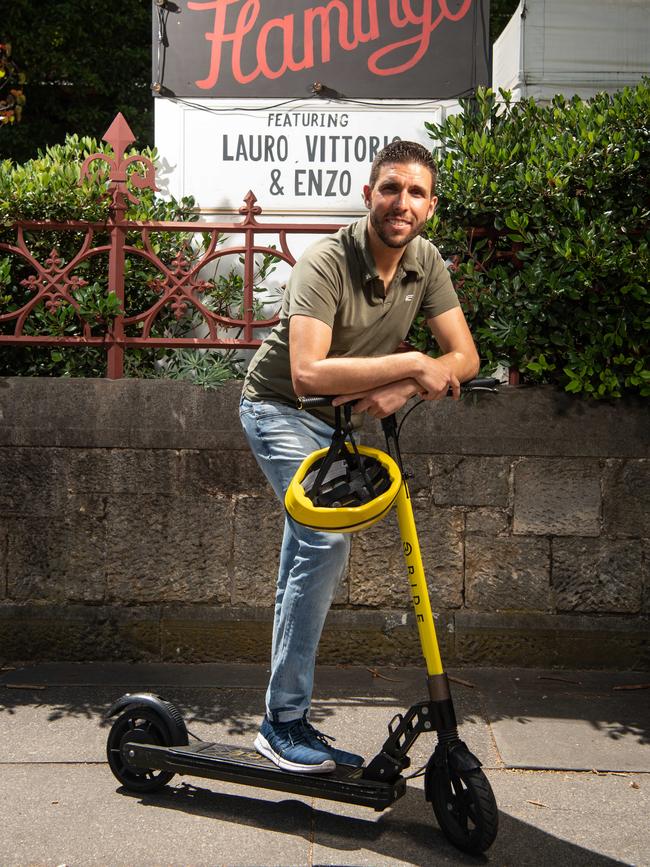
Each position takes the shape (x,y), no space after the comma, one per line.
(347,483)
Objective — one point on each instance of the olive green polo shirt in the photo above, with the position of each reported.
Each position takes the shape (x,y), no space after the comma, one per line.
(336,281)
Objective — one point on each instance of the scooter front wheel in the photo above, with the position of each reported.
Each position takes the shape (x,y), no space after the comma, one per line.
(139,725)
(465,807)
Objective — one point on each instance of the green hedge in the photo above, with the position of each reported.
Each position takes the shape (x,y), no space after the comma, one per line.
(545,212)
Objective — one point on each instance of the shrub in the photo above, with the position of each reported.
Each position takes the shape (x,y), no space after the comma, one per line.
(544,212)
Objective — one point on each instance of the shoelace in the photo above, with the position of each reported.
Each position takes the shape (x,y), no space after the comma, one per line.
(314,733)
(302,732)
(297,733)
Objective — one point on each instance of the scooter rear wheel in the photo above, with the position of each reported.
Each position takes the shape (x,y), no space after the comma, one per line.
(465,807)
(141,725)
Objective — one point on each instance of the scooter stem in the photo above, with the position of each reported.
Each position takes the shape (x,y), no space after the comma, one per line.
(419,591)
(417,581)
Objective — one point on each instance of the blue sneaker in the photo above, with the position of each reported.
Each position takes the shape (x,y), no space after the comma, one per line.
(317,740)
(291,747)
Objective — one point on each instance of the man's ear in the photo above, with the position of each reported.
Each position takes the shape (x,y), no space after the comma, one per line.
(366,195)
(432,206)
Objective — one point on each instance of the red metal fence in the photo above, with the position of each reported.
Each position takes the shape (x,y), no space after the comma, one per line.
(178,284)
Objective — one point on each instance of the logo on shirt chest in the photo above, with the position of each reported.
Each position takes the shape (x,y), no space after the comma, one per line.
(409,297)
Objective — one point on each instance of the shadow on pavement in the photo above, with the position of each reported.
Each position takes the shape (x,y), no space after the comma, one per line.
(614,704)
(407,832)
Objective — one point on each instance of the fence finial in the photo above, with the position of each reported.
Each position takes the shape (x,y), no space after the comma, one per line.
(250,209)
(119,137)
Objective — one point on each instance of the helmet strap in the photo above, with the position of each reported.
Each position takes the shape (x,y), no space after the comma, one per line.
(338,449)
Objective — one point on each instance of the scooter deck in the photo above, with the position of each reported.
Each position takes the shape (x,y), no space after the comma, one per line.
(247,767)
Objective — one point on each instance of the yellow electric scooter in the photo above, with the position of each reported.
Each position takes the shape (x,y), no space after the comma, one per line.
(342,489)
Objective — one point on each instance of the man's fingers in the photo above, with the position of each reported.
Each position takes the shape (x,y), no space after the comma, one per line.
(346,398)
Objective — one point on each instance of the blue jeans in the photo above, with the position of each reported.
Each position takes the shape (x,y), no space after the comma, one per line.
(312,563)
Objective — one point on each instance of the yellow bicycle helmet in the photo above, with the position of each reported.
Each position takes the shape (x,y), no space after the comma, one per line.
(343,488)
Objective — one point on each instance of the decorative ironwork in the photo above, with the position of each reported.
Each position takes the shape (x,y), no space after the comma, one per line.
(179,284)
(119,137)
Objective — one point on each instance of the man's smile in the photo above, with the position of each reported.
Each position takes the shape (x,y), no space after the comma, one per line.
(398,221)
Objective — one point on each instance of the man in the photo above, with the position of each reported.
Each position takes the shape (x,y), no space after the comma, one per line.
(349,303)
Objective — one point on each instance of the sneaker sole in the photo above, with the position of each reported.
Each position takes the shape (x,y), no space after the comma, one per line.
(358,762)
(264,748)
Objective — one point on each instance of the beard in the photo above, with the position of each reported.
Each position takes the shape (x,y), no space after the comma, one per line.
(383,232)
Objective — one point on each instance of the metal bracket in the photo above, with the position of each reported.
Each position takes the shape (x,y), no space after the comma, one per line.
(404,729)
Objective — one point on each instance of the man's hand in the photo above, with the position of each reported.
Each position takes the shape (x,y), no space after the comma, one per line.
(382,401)
(436,378)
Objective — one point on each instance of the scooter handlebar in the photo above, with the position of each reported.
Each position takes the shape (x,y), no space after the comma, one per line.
(486,383)
(313,400)
(481,384)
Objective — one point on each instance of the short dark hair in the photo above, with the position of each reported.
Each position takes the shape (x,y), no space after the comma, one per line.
(404,152)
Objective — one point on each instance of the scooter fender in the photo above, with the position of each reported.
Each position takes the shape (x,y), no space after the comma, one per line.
(169,714)
(455,758)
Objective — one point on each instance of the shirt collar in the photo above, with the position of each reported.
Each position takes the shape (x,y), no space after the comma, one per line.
(409,262)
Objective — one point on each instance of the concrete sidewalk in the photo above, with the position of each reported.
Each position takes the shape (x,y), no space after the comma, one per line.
(567,754)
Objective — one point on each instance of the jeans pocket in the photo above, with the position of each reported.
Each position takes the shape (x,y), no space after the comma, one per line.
(247,407)
(266,411)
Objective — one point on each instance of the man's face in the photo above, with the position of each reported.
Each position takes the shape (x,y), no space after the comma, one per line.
(400,202)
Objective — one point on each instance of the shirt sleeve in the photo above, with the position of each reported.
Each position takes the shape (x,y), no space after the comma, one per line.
(439,292)
(315,285)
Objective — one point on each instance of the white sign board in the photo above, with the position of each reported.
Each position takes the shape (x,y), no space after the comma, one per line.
(307,157)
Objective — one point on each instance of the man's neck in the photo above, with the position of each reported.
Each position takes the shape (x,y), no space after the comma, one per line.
(386,258)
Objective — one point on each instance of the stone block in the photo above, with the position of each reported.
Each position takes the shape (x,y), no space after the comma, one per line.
(604,575)
(626,498)
(557,497)
(3,558)
(123,413)
(507,573)
(377,568)
(379,638)
(342,595)
(440,533)
(645,568)
(169,549)
(223,472)
(122,471)
(555,640)
(31,481)
(418,470)
(488,522)
(84,505)
(259,523)
(534,421)
(470,480)
(78,633)
(377,572)
(57,558)
(210,634)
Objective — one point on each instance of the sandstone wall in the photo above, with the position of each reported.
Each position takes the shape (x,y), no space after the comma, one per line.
(134,524)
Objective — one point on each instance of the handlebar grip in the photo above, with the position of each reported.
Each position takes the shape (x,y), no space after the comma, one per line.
(488,383)
(313,400)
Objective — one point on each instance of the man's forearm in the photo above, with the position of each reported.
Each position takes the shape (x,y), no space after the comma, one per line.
(348,375)
(345,375)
